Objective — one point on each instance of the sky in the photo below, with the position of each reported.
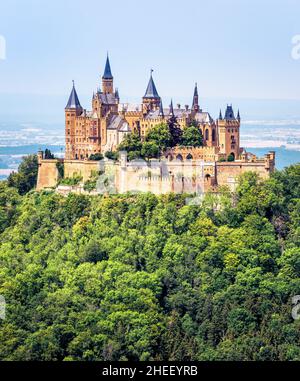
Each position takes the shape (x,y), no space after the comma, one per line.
(233,49)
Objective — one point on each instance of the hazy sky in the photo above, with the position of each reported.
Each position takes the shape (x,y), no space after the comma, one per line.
(232,48)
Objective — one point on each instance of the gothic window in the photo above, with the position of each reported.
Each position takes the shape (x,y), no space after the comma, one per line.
(189,156)
(213,135)
(206,134)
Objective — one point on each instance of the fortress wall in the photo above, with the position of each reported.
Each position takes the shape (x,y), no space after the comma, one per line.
(83,168)
(227,173)
(47,174)
(160,177)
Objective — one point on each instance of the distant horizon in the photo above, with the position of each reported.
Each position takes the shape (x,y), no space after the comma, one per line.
(50,108)
(251,58)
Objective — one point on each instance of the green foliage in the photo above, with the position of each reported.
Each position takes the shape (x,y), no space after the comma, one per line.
(160,135)
(230,157)
(91,183)
(150,150)
(132,145)
(96,156)
(111,155)
(192,136)
(25,179)
(141,277)
(48,154)
(175,132)
(61,169)
(72,181)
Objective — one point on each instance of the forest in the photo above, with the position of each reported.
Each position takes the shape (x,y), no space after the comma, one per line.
(145,277)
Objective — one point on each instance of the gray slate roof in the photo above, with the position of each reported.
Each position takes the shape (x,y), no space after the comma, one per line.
(107,99)
(203,117)
(117,122)
(151,91)
(73,102)
(107,71)
(229,114)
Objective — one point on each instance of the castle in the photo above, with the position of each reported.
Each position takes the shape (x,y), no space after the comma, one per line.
(104,127)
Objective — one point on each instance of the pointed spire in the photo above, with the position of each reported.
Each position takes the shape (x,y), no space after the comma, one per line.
(196,90)
(73,102)
(117,94)
(151,91)
(238,115)
(107,71)
(220,115)
(195,105)
(171,112)
(161,109)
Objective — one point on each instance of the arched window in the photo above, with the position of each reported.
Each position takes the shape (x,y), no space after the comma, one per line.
(179,157)
(213,135)
(189,157)
(206,135)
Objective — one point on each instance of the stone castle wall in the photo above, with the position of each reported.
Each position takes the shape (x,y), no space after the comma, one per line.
(158,177)
(47,174)
(83,168)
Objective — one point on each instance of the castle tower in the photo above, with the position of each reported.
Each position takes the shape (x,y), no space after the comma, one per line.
(107,79)
(195,106)
(151,99)
(72,110)
(229,133)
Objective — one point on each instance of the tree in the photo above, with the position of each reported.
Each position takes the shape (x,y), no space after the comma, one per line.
(96,156)
(25,179)
(145,277)
(131,143)
(48,154)
(175,131)
(192,136)
(111,155)
(150,150)
(160,135)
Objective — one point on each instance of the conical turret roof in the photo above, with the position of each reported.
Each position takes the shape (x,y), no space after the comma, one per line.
(73,102)
(151,91)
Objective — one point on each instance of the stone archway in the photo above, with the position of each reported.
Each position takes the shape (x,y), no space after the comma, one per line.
(179,157)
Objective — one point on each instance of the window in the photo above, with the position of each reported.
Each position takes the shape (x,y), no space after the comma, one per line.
(213,135)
